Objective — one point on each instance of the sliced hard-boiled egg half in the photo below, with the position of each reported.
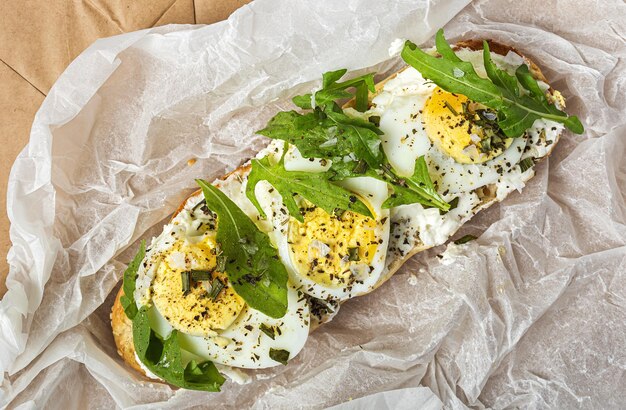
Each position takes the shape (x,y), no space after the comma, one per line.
(452,122)
(419,118)
(331,256)
(213,321)
(194,311)
(252,341)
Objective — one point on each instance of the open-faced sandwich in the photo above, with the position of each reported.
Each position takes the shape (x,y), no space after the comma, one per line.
(340,198)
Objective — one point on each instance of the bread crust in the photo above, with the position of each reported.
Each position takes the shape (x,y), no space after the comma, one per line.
(122,326)
(123,333)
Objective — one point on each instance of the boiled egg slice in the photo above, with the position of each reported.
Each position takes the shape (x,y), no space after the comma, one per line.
(215,324)
(332,257)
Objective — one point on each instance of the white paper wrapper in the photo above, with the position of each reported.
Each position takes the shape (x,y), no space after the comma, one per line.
(532,314)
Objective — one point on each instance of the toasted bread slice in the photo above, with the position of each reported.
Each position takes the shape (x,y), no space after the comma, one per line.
(122,326)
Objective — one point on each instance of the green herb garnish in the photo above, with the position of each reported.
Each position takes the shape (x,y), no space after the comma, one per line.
(464,239)
(220,259)
(327,134)
(315,187)
(454,203)
(493,138)
(332,90)
(268,330)
(526,163)
(416,188)
(200,204)
(185,278)
(517,111)
(353,254)
(163,357)
(250,261)
(360,167)
(198,275)
(374,119)
(450,108)
(279,355)
(216,287)
(130,278)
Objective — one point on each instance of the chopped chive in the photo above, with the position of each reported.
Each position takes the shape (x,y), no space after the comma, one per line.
(199,204)
(200,275)
(216,287)
(221,263)
(454,203)
(526,163)
(353,254)
(485,145)
(360,167)
(279,355)
(220,258)
(375,119)
(452,110)
(185,277)
(338,212)
(388,172)
(464,239)
(465,106)
(268,330)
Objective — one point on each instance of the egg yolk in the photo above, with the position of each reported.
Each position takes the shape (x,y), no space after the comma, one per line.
(195,312)
(453,133)
(332,250)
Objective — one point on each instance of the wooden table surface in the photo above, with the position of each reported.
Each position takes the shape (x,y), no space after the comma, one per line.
(38,39)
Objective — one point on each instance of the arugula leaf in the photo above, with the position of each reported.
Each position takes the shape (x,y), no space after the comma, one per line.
(327,134)
(363,136)
(342,169)
(444,48)
(130,276)
(517,112)
(527,81)
(315,187)
(305,132)
(331,77)
(416,188)
(163,358)
(499,77)
(333,90)
(361,98)
(352,144)
(251,263)
(451,74)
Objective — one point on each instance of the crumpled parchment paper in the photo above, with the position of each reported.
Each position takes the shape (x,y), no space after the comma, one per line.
(532,314)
